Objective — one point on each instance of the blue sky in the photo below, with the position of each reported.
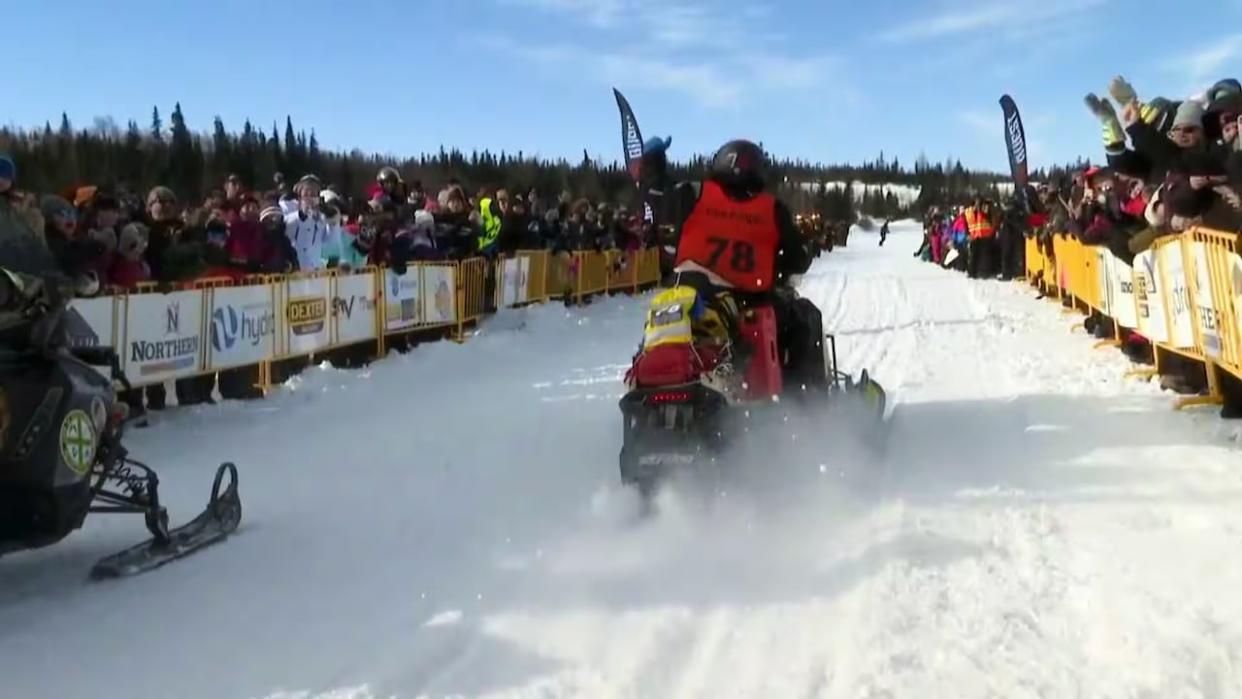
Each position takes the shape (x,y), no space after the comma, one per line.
(824,80)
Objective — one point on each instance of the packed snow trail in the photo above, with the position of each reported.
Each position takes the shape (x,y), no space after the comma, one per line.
(447,523)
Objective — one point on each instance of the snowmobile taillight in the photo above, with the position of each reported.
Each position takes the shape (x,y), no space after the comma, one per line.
(664,397)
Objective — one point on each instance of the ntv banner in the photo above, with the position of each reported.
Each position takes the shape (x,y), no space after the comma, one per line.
(354,308)
(164,336)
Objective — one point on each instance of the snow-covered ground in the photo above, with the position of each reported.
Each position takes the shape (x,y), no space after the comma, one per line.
(448,523)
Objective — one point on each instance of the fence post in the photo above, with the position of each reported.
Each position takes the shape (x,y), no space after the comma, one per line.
(459,277)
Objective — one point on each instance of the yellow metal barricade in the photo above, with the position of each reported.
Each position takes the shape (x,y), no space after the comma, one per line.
(592,276)
(622,271)
(521,278)
(471,292)
(1223,265)
(1061,266)
(1034,261)
(537,274)
(648,266)
(562,271)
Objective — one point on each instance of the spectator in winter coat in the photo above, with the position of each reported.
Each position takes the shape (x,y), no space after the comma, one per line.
(233,189)
(76,254)
(22,248)
(355,243)
(307,228)
(129,266)
(247,246)
(279,255)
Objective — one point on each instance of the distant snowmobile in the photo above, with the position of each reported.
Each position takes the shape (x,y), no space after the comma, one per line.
(690,384)
(61,425)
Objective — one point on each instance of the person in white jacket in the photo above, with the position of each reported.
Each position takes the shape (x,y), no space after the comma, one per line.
(306,228)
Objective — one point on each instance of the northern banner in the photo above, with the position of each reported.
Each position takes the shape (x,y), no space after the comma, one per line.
(163,336)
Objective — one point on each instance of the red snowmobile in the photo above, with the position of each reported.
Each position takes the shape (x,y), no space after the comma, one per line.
(695,378)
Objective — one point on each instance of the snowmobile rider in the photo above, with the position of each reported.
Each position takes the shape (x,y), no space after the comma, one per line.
(733,237)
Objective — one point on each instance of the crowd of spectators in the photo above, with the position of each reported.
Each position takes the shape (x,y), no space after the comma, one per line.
(1169,166)
(106,237)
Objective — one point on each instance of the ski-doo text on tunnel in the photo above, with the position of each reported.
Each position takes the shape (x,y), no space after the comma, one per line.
(61,426)
(728,330)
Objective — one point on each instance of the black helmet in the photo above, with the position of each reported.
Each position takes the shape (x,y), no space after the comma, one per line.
(740,165)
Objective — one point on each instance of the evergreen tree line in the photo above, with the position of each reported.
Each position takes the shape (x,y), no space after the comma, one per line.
(192,164)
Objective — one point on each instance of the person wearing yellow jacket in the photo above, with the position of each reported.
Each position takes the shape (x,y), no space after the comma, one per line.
(981,229)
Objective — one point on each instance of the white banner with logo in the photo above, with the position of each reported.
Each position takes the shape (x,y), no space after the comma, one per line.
(514,274)
(403,306)
(1103,272)
(1148,288)
(1235,276)
(243,326)
(439,294)
(354,308)
(305,315)
(99,314)
(1121,281)
(1177,297)
(1205,306)
(163,336)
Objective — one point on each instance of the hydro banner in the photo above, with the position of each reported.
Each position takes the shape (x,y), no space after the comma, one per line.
(242,326)
(1015,142)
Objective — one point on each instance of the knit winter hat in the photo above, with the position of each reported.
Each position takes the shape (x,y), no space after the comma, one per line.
(8,169)
(270,212)
(1190,113)
(133,240)
(655,144)
(51,205)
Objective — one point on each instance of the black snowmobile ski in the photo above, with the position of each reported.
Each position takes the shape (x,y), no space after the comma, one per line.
(214,524)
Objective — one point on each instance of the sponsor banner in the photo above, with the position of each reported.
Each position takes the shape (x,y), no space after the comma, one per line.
(98,314)
(403,306)
(1235,276)
(305,314)
(1015,144)
(1205,306)
(163,336)
(439,294)
(1177,297)
(515,275)
(354,308)
(1147,290)
(1104,273)
(1121,276)
(242,324)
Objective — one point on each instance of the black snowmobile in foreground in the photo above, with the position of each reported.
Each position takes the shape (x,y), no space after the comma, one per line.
(61,428)
(694,388)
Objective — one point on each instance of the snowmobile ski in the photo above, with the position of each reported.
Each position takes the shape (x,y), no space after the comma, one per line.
(214,524)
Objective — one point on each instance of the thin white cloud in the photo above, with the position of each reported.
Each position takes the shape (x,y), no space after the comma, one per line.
(678,51)
(977,120)
(1206,63)
(1022,17)
(601,13)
